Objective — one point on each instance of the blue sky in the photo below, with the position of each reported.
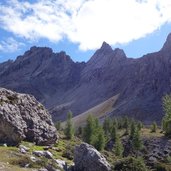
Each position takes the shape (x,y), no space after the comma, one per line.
(79,27)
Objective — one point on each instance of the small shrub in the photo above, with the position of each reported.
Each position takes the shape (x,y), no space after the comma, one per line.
(162,167)
(154,127)
(130,164)
(58,125)
(168,128)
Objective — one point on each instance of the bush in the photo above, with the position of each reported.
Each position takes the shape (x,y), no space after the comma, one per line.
(166,121)
(130,164)
(118,147)
(58,125)
(69,129)
(154,127)
(168,127)
(162,167)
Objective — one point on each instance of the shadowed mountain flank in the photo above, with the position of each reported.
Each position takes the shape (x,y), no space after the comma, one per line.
(62,85)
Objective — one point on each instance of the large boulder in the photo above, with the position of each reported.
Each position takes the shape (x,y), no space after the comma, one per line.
(87,158)
(22,117)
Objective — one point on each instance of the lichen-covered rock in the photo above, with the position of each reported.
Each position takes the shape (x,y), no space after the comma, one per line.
(22,117)
(87,158)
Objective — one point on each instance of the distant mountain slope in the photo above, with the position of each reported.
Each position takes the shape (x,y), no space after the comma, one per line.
(62,85)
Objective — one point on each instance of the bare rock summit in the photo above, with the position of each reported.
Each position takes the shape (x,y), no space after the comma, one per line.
(22,117)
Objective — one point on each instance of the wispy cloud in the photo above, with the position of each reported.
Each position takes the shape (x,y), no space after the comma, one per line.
(86,22)
(10,45)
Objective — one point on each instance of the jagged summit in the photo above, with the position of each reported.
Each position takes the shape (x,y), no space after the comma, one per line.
(167,44)
(119,53)
(106,56)
(105,46)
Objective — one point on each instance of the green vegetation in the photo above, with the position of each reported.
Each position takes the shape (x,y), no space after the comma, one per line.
(69,130)
(137,143)
(114,132)
(93,133)
(130,164)
(118,148)
(120,140)
(58,125)
(107,126)
(154,127)
(166,122)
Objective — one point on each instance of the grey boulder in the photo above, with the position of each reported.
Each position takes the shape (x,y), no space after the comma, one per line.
(87,158)
(22,117)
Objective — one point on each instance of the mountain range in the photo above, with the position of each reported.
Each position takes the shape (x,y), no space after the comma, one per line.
(109,83)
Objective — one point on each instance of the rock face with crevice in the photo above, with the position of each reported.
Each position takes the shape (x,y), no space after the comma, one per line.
(22,117)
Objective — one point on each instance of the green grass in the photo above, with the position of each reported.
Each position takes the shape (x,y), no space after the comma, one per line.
(7,156)
(146,132)
(12,159)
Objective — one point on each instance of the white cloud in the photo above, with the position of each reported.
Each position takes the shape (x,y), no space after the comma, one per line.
(86,22)
(10,45)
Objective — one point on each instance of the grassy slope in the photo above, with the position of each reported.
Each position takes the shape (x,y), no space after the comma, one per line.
(98,111)
(10,157)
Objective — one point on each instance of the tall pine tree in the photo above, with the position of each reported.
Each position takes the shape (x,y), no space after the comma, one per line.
(89,130)
(118,148)
(69,129)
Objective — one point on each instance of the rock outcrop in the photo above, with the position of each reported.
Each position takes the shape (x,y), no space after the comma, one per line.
(87,158)
(22,117)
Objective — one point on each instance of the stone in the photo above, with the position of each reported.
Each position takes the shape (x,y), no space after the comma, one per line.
(22,117)
(23,149)
(38,153)
(42,169)
(33,159)
(46,154)
(61,163)
(87,158)
(4,145)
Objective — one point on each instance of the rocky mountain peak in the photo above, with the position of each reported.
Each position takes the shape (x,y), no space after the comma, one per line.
(167,44)
(105,46)
(64,56)
(106,56)
(35,48)
(119,53)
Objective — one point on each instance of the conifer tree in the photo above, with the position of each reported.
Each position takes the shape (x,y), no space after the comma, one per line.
(118,149)
(166,121)
(58,125)
(136,141)
(106,126)
(132,131)
(154,127)
(126,125)
(114,132)
(69,129)
(139,125)
(100,139)
(89,130)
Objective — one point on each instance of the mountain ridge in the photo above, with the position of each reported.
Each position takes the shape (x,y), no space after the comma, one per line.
(62,84)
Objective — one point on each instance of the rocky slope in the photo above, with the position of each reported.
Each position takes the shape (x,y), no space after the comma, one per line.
(23,118)
(62,85)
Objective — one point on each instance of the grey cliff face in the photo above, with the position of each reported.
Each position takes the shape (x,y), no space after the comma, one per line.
(87,158)
(22,117)
(62,85)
